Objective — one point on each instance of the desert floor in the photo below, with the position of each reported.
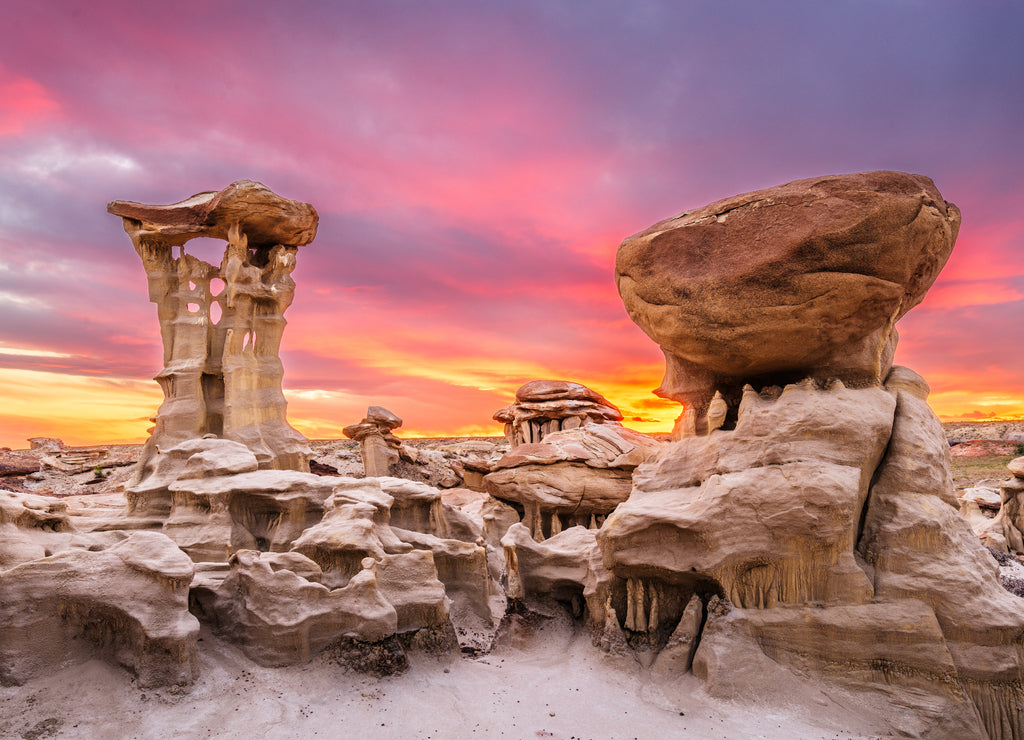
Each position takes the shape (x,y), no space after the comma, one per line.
(551,684)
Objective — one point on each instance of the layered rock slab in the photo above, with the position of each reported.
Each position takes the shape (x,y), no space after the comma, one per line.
(573,477)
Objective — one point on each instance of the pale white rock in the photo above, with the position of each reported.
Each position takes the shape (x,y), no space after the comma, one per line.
(770,510)
(986,498)
(128,601)
(150,496)
(676,657)
(212,517)
(566,567)
(858,652)
(409,582)
(273,606)
(32,527)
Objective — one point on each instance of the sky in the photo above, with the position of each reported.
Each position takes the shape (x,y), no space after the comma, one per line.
(475,166)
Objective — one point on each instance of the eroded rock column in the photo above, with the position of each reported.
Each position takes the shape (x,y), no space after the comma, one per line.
(221,325)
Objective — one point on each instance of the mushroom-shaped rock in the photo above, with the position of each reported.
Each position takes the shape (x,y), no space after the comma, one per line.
(380,450)
(221,325)
(806,278)
(546,406)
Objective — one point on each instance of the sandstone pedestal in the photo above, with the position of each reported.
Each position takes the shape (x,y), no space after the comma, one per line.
(222,325)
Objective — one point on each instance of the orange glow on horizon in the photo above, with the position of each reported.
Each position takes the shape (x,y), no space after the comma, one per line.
(79,409)
(85,410)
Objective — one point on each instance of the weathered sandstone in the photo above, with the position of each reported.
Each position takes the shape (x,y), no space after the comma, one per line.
(221,325)
(128,601)
(572,478)
(545,406)
(803,279)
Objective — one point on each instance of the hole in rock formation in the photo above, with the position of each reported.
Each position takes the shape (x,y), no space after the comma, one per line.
(192,307)
(107,630)
(338,566)
(270,522)
(216,287)
(213,396)
(259,257)
(207,249)
(215,312)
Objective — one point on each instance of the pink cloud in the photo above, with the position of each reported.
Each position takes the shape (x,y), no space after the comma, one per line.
(23,103)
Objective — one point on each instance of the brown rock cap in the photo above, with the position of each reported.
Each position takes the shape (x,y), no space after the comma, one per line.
(806,278)
(263,216)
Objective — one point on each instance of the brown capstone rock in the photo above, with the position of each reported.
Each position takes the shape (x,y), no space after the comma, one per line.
(802,279)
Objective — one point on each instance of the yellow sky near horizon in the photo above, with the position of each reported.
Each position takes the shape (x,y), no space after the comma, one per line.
(87,410)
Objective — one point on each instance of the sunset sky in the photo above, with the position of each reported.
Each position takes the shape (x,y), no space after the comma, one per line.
(475,166)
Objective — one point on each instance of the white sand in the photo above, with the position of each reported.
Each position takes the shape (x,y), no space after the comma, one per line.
(555,685)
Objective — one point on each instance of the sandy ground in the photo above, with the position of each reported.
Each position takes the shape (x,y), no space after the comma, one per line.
(552,684)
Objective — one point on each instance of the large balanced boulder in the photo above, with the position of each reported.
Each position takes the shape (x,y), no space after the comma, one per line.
(806,508)
(803,279)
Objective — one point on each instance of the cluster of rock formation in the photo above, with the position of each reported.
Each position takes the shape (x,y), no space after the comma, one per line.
(809,527)
(802,525)
(1003,530)
(222,516)
(571,461)
(545,406)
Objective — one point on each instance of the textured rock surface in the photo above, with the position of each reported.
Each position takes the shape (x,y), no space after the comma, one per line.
(222,373)
(566,567)
(128,601)
(768,511)
(31,527)
(210,518)
(826,519)
(806,278)
(573,477)
(274,606)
